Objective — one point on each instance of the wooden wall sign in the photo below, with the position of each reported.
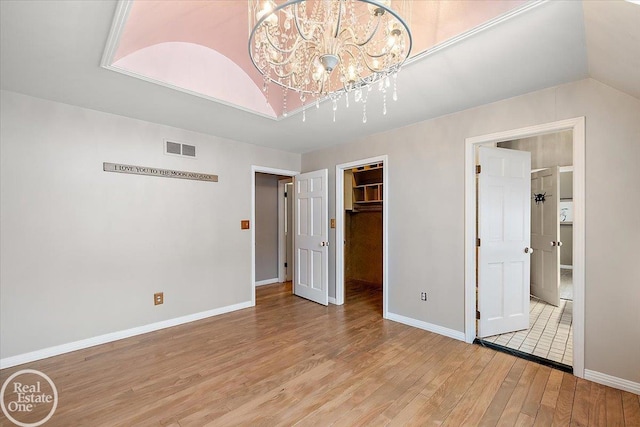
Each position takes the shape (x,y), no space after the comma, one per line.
(165,173)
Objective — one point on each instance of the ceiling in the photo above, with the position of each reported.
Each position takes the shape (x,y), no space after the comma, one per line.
(53,50)
(201,46)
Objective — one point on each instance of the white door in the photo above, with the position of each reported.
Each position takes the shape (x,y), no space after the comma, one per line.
(545,235)
(311,242)
(504,230)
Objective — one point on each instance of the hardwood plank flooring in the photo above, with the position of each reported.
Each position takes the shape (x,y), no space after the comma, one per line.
(289,361)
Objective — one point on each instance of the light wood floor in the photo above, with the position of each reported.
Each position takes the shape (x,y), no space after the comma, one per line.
(292,362)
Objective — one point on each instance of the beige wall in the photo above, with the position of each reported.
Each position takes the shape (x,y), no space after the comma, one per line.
(83,251)
(426,211)
(555,149)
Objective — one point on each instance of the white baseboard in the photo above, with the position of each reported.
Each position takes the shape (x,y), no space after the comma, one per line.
(611,381)
(267,282)
(332,300)
(566,267)
(426,326)
(8,362)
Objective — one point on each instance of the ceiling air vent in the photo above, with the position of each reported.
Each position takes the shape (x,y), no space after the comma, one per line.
(178,149)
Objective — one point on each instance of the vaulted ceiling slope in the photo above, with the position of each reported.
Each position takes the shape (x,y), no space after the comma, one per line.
(53,50)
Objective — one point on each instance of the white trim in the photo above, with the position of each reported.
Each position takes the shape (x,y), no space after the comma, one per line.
(611,381)
(117,27)
(577,125)
(474,31)
(191,92)
(566,267)
(273,171)
(282,242)
(268,281)
(332,300)
(563,169)
(456,335)
(115,336)
(339,215)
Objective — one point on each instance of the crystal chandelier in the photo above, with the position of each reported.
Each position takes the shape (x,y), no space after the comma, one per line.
(329,48)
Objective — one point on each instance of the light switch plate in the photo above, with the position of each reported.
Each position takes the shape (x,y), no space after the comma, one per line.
(333,223)
(244,224)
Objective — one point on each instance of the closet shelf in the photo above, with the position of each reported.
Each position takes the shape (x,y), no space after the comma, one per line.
(367,187)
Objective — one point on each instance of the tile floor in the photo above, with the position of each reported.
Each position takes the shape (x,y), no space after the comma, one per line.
(550,335)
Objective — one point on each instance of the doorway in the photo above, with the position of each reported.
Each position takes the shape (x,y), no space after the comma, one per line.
(547,333)
(274,175)
(576,126)
(371,193)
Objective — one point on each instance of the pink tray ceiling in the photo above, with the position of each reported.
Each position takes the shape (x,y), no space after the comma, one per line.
(201,46)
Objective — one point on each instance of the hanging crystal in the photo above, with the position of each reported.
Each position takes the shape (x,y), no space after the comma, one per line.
(384,103)
(334,101)
(364,106)
(285,113)
(395,86)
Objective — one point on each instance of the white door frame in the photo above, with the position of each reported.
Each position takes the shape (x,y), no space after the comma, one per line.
(254,170)
(339,299)
(282,238)
(577,125)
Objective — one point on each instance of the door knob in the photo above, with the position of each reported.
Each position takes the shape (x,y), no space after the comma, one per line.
(553,243)
(528,250)
(559,243)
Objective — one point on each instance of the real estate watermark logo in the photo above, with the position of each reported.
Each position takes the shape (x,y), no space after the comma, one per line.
(28,398)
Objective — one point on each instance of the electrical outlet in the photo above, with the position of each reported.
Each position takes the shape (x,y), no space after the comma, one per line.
(158,298)
(423,296)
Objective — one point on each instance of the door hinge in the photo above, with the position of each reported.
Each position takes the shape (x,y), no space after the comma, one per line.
(478,242)
(285,194)
(285,265)
(478,168)
(478,314)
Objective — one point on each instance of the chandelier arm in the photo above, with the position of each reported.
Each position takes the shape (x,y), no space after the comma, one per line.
(371,36)
(296,21)
(289,58)
(277,47)
(364,55)
(282,76)
(364,51)
(336,32)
